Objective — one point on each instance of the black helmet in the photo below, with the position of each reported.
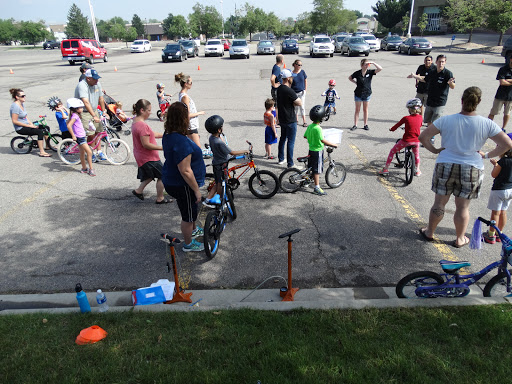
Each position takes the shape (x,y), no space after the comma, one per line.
(317,113)
(214,123)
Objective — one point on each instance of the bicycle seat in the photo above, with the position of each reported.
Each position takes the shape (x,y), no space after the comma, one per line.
(303,159)
(453,266)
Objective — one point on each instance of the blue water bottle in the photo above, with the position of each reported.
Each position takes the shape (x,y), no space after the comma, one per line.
(81,297)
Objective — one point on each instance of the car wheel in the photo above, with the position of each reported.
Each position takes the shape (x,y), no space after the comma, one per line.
(91,60)
(105,58)
(181,58)
(366,54)
(71,62)
(164,60)
(349,52)
(248,56)
(332,55)
(427,53)
(409,51)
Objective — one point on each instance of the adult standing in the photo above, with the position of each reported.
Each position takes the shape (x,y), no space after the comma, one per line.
(275,79)
(287,100)
(185,84)
(183,172)
(423,72)
(22,125)
(300,85)
(439,83)
(459,166)
(503,96)
(363,91)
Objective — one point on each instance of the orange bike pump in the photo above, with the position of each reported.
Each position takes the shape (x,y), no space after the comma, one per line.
(179,294)
(288,292)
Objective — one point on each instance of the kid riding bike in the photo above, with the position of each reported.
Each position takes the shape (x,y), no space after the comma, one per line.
(24,144)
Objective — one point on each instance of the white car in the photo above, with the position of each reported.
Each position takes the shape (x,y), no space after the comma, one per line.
(372,41)
(214,47)
(240,48)
(321,45)
(140,46)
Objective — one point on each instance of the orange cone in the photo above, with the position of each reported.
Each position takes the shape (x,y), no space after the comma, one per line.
(11,71)
(483,61)
(284,66)
(115,69)
(198,68)
(91,335)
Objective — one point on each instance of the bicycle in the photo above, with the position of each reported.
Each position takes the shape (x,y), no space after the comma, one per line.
(263,184)
(292,179)
(328,110)
(405,159)
(216,220)
(25,144)
(427,284)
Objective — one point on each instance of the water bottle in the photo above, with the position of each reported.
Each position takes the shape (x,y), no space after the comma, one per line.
(81,297)
(101,299)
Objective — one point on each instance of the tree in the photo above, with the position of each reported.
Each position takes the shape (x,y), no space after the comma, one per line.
(131,34)
(348,21)
(327,15)
(500,17)
(78,24)
(390,12)
(205,20)
(465,15)
(32,33)
(253,20)
(271,23)
(405,23)
(137,24)
(303,24)
(8,31)
(422,23)
(179,27)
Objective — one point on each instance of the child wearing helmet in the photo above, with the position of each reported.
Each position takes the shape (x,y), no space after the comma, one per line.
(163,99)
(330,96)
(316,143)
(78,134)
(61,114)
(413,124)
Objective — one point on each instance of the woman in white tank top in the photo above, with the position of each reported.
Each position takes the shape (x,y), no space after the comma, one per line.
(186,83)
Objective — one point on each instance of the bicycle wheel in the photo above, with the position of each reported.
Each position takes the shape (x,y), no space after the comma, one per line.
(53,142)
(263,184)
(69,152)
(335,175)
(497,286)
(290,180)
(327,113)
(117,151)
(211,237)
(406,288)
(21,144)
(230,204)
(410,167)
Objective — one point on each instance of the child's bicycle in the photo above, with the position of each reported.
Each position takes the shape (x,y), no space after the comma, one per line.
(405,159)
(24,144)
(216,220)
(292,179)
(163,107)
(428,284)
(263,184)
(328,109)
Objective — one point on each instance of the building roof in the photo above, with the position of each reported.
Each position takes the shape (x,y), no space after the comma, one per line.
(154,29)
(58,27)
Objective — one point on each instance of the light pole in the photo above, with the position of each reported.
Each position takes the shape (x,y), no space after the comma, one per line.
(410,19)
(93,22)
(222,14)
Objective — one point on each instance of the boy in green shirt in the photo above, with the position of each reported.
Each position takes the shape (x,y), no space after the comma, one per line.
(316,142)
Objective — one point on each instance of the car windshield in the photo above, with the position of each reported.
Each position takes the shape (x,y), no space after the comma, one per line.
(340,38)
(394,38)
(290,42)
(267,43)
(239,43)
(187,43)
(138,42)
(356,40)
(322,40)
(172,47)
(369,37)
(420,40)
(213,42)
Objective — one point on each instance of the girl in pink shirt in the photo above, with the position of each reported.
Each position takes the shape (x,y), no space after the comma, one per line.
(77,131)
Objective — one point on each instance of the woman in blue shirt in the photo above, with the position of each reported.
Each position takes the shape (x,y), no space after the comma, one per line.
(300,85)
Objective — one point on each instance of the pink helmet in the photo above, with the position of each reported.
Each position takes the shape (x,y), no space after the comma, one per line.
(332,82)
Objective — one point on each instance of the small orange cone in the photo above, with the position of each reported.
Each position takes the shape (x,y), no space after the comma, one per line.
(483,61)
(11,71)
(90,335)
(284,66)
(115,69)
(198,68)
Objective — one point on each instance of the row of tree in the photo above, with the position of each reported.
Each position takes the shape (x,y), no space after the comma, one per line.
(27,32)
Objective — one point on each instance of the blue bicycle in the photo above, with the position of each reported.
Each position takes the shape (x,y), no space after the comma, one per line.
(451,283)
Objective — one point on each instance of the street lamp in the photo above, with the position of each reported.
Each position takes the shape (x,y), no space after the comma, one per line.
(410,19)
(222,13)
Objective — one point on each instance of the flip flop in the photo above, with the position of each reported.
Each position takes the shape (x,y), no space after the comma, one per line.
(455,245)
(425,237)
(164,201)
(45,155)
(138,195)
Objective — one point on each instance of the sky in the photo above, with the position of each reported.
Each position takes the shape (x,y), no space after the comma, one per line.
(55,11)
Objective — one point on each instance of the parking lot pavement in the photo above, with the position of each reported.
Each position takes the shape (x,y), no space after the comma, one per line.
(59,227)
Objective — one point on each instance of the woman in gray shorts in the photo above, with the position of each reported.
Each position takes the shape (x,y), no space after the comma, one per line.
(459,166)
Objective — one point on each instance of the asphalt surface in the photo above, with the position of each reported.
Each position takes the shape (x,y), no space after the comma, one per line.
(59,227)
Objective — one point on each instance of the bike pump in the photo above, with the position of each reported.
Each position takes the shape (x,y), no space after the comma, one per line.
(179,294)
(287,293)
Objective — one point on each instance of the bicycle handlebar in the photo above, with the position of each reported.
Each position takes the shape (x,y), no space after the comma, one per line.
(487,222)
(170,239)
(42,116)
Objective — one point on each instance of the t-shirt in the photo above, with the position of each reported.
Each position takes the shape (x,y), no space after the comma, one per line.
(412,127)
(221,152)
(462,137)
(285,108)
(315,136)
(161,99)
(61,119)
(504,178)
(422,87)
(268,118)
(22,115)
(176,147)
(299,81)
(276,71)
(364,83)
(330,95)
(90,93)
(78,128)
(143,155)
(438,88)
(504,92)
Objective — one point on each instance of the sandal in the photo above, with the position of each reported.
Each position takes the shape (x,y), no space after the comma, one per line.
(455,245)
(424,235)
(304,125)
(139,196)
(45,155)
(164,201)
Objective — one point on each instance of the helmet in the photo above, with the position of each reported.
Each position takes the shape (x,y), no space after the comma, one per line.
(53,102)
(317,113)
(413,103)
(214,123)
(75,103)
(160,85)
(332,82)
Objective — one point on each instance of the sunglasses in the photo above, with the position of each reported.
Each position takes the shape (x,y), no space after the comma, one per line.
(22,95)
(298,65)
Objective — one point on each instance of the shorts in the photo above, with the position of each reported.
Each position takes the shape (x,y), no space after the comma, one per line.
(81,140)
(356,98)
(87,117)
(186,201)
(218,172)
(273,93)
(150,170)
(332,104)
(461,180)
(497,104)
(432,113)
(423,97)
(316,162)
(270,138)
(499,199)
(31,132)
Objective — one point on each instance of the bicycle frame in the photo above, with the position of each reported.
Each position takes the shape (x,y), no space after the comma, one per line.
(96,141)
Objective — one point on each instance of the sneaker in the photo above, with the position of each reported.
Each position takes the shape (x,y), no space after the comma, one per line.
(194,246)
(94,158)
(366,128)
(319,191)
(207,204)
(271,157)
(91,172)
(198,232)
(384,172)
(86,170)
(498,239)
(418,173)
(488,238)
(281,162)
(334,113)
(101,156)
(354,127)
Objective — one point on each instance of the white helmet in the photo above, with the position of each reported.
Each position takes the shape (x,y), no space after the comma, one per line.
(414,103)
(75,103)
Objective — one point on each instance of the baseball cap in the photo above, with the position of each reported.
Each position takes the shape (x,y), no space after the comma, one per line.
(92,73)
(286,73)
(86,66)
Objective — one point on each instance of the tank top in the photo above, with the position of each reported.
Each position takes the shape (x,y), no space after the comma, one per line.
(194,122)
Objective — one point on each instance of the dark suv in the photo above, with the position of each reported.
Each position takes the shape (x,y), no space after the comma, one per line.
(51,44)
(507,50)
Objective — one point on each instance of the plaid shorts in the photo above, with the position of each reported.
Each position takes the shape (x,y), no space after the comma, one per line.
(461,180)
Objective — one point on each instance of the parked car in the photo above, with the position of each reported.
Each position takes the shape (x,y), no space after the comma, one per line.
(321,45)
(355,45)
(265,47)
(390,43)
(415,45)
(174,51)
(140,46)
(226,43)
(506,52)
(290,46)
(372,41)
(74,50)
(239,47)
(51,44)
(338,42)
(190,47)
(214,47)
